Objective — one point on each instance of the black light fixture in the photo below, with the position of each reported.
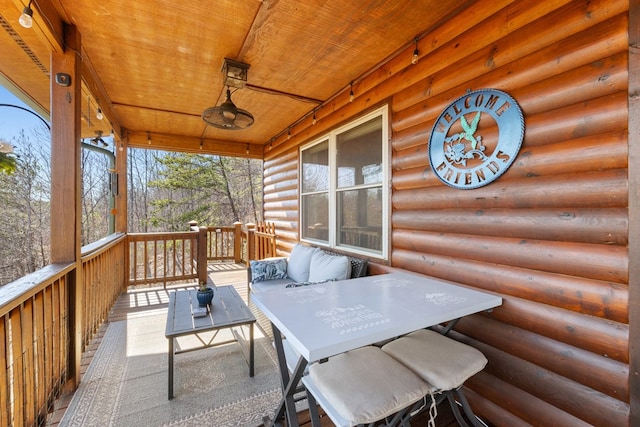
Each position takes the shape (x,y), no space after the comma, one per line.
(227,115)
(416,53)
(235,73)
(26,19)
(351,94)
(98,139)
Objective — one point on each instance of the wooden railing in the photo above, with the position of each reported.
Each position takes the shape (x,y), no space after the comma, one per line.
(163,257)
(40,314)
(264,238)
(103,272)
(48,317)
(34,344)
(223,243)
(239,244)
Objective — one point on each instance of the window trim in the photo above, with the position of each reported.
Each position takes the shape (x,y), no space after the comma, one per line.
(333,191)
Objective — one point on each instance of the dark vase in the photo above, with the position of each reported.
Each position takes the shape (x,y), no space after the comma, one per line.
(205,297)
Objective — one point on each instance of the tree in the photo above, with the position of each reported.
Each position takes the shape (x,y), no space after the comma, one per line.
(25,209)
(212,190)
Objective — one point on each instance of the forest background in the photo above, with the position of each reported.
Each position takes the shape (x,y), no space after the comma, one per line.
(165,191)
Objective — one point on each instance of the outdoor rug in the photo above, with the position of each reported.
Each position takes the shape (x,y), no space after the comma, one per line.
(126,382)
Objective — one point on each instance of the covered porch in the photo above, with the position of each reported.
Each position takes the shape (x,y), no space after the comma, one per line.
(150,302)
(557,236)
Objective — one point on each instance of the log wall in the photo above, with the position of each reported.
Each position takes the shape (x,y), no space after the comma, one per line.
(551,235)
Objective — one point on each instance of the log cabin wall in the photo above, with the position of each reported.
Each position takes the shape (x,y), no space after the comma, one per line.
(550,235)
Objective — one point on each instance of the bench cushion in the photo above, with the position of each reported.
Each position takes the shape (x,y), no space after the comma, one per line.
(437,359)
(269,285)
(366,385)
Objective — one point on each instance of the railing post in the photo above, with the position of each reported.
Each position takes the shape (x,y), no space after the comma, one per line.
(251,243)
(237,242)
(201,261)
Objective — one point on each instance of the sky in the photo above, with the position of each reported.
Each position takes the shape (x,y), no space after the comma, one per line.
(13,120)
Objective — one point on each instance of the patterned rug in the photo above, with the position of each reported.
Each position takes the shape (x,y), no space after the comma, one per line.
(126,382)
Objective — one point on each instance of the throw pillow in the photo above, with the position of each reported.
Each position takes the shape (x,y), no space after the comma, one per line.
(328,267)
(299,262)
(268,270)
(358,265)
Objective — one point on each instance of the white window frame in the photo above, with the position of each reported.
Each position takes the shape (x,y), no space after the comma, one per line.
(331,136)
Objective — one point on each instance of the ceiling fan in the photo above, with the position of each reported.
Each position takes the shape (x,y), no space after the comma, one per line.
(227,115)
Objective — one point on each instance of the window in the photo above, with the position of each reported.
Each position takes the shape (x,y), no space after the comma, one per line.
(343,180)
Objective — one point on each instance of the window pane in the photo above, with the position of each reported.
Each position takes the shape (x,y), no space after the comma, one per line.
(360,218)
(315,168)
(359,154)
(315,216)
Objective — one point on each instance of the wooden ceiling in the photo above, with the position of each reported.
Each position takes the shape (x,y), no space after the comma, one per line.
(155,65)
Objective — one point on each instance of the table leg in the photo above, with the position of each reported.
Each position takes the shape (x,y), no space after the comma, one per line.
(251,351)
(289,383)
(170,368)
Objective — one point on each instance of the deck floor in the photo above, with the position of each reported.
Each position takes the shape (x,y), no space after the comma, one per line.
(143,301)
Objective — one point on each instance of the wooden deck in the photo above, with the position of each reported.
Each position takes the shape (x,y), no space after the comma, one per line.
(143,300)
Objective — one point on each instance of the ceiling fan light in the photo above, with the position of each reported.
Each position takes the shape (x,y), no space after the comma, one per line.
(227,116)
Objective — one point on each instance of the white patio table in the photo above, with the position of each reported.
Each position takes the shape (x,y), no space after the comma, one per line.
(323,320)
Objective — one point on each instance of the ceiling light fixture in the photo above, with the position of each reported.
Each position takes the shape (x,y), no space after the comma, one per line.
(227,115)
(235,73)
(313,121)
(351,94)
(148,137)
(26,19)
(98,139)
(416,53)
(99,114)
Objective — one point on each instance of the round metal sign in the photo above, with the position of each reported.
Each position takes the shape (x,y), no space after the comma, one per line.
(476,138)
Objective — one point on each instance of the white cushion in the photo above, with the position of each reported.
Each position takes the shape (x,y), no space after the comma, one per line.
(437,359)
(299,262)
(366,385)
(328,267)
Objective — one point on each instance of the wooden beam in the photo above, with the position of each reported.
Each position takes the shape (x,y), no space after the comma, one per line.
(66,181)
(634,212)
(185,144)
(95,86)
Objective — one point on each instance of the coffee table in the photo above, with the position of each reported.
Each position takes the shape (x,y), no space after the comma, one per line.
(227,311)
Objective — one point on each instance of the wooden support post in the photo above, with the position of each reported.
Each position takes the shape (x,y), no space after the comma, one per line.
(66,180)
(251,244)
(202,255)
(121,207)
(237,242)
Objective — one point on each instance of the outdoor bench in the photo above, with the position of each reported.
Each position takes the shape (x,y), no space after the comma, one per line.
(306,265)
